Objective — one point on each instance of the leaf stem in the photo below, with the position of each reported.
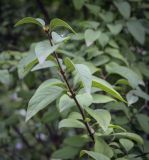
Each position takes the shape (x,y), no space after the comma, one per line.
(73,95)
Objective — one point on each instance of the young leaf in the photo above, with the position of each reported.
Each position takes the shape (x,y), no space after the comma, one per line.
(44,95)
(123,7)
(37,21)
(94,155)
(85,76)
(70,123)
(137,30)
(105,86)
(56,22)
(43,50)
(91,36)
(102,116)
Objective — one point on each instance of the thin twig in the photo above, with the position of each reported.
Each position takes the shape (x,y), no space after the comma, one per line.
(24,140)
(142,155)
(43,10)
(73,95)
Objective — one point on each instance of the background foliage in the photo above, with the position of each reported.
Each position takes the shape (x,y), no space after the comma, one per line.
(111,39)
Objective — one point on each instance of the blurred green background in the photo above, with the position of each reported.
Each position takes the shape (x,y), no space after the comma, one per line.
(40,137)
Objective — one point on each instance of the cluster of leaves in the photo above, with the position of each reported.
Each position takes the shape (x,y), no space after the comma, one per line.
(106,58)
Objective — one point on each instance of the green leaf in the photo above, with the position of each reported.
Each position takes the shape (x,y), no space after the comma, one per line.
(98,98)
(102,147)
(26,64)
(58,38)
(101,60)
(103,39)
(43,50)
(105,86)
(102,116)
(118,106)
(143,69)
(92,67)
(138,92)
(91,36)
(67,53)
(122,81)
(94,9)
(133,79)
(129,135)
(143,121)
(56,22)
(44,95)
(107,16)
(131,98)
(137,30)
(89,24)
(115,28)
(70,123)
(78,36)
(75,115)
(75,141)
(50,116)
(127,144)
(5,77)
(123,7)
(65,102)
(38,21)
(78,4)
(69,64)
(116,54)
(113,43)
(84,99)
(94,155)
(117,127)
(121,158)
(85,76)
(65,153)
(45,64)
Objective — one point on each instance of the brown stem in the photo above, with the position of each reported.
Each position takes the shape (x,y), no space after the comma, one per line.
(73,95)
(43,10)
